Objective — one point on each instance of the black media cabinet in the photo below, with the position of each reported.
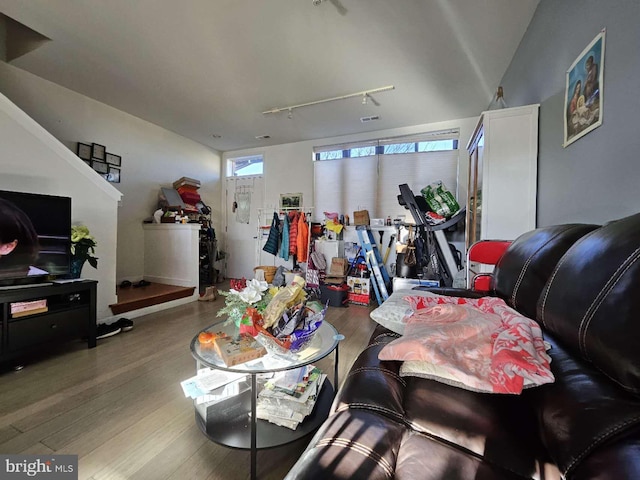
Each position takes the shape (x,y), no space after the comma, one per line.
(71,315)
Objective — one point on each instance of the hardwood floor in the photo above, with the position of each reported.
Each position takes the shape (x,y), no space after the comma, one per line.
(121,409)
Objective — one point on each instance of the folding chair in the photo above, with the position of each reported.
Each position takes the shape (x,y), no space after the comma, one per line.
(481,254)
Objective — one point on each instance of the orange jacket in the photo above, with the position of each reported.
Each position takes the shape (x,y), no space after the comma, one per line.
(303,238)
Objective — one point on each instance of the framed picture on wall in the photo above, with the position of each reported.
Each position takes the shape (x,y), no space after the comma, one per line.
(98,151)
(84,151)
(583,92)
(114,174)
(100,167)
(290,200)
(113,159)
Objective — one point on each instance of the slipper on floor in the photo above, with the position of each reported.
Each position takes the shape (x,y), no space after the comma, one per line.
(142,283)
(125,324)
(125,284)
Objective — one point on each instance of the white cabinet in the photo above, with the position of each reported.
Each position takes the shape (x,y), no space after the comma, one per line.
(330,249)
(171,254)
(503,166)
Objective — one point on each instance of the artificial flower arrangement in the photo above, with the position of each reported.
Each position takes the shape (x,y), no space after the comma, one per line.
(282,318)
(244,300)
(83,245)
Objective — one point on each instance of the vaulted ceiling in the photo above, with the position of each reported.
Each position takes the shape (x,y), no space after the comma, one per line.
(211,67)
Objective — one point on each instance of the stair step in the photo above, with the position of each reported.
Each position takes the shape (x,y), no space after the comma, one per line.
(131,298)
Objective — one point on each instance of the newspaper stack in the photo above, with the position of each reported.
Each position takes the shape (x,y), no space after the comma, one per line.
(290,396)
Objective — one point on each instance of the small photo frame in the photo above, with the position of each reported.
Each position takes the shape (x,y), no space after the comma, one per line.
(84,151)
(100,167)
(113,159)
(98,151)
(114,175)
(291,200)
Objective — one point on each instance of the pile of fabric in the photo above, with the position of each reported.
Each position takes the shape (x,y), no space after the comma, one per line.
(476,344)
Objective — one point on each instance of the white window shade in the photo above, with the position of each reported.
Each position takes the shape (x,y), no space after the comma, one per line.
(417,170)
(349,182)
(345,185)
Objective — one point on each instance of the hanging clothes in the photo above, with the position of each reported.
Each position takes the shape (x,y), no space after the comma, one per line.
(303,238)
(284,246)
(274,236)
(293,232)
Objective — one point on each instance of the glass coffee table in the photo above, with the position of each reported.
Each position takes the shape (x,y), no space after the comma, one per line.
(232,421)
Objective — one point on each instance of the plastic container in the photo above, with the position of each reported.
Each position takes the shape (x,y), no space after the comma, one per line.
(335,294)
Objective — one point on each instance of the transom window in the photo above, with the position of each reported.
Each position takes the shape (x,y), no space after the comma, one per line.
(245,166)
(390,149)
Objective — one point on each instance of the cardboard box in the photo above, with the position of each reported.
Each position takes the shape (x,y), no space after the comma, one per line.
(361,217)
(359,299)
(236,351)
(337,271)
(359,285)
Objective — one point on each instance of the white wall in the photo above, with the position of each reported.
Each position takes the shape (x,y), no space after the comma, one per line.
(34,161)
(288,168)
(152,157)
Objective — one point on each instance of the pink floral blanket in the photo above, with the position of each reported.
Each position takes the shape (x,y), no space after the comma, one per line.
(480,343)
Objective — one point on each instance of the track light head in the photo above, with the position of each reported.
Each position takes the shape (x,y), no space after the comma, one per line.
(290,114)
(365,97)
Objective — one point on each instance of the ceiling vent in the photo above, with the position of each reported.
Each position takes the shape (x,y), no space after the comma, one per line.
(372,118)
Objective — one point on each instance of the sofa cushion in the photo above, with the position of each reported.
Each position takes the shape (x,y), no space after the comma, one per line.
(422,457)
(362,445)
(581,411)
(615,461)
(393,313)
(592,300)
(498,428)
(523,270)
(351,445)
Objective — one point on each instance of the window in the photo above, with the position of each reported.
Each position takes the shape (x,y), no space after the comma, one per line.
(244,166)
(366,175)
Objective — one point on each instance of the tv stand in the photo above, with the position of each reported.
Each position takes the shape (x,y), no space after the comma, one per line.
(26,285)
(71,314)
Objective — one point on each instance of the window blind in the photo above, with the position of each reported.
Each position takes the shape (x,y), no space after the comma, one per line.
(344,185)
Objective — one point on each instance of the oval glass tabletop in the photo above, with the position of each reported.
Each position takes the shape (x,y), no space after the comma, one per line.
(322,344)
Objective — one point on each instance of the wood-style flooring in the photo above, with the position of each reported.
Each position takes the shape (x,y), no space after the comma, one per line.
(121,409)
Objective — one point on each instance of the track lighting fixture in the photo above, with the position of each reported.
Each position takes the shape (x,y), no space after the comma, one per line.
(366,96)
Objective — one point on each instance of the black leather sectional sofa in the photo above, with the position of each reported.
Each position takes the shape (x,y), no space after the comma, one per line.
(582,285)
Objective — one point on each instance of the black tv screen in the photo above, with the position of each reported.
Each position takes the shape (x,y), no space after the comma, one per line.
(35,235)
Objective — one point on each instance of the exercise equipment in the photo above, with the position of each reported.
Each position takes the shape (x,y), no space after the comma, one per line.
(436,256)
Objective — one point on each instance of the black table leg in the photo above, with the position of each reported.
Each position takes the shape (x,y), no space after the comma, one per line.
(254,450)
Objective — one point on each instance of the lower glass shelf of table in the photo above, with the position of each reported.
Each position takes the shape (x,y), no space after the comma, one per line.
(234,429)
(231,420)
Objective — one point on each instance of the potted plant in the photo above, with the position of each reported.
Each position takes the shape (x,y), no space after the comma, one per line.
(82,249)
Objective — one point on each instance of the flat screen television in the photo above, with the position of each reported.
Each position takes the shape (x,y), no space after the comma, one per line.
(35,237)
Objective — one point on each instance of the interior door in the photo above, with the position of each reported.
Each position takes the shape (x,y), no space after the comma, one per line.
(242,224)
